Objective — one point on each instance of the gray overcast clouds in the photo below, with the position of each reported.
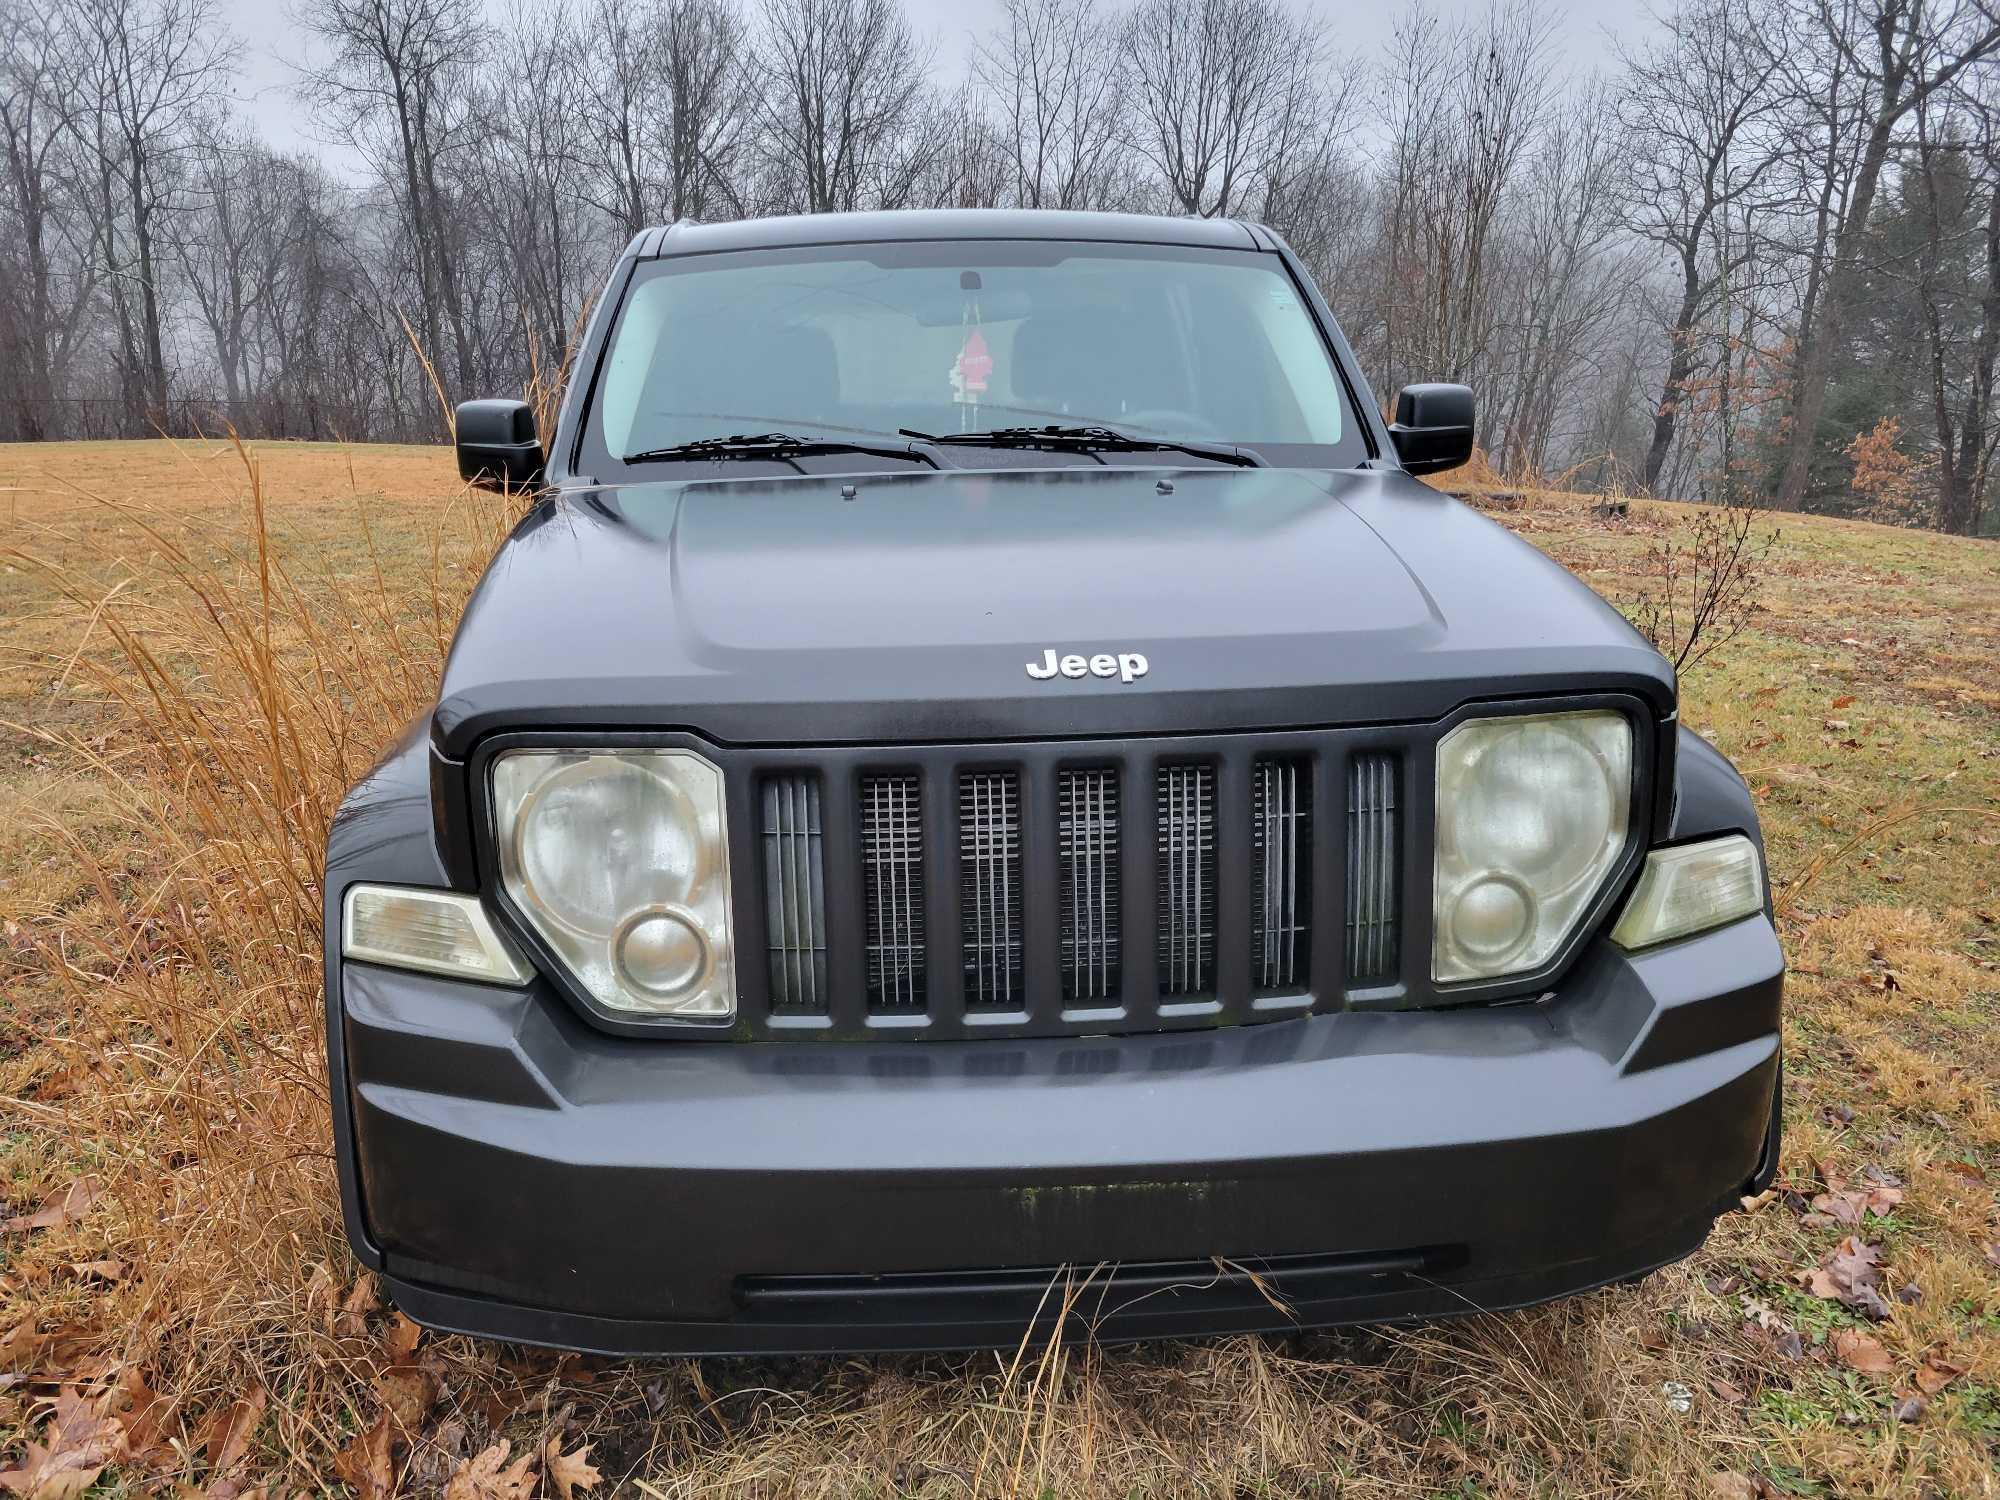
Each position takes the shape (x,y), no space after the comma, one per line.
(272,44)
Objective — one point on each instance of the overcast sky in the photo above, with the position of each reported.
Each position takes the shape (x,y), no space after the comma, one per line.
(268,91)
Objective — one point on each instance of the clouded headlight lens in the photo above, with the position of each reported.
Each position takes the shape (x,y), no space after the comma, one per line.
(620,861)
(1532,815)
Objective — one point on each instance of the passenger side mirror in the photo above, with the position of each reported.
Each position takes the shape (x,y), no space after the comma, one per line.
(497,446)
(1433,427)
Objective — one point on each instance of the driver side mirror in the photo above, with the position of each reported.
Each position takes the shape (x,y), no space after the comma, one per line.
(1433,427)
(497,446)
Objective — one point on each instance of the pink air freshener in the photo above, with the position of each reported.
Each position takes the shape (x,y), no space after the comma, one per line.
(972,369)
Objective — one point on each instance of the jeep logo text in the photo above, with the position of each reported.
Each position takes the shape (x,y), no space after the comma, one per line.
(1126,665)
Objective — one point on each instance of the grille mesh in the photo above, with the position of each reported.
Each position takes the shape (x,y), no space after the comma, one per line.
(892,862)
(1280,874)
(1087,850)
(1185,936)
(794,893)
(1372,906)
(989,878)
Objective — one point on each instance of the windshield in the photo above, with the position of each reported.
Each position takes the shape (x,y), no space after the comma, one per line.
(967,337)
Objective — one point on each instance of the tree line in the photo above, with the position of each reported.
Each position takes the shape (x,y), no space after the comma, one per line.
(1755,258)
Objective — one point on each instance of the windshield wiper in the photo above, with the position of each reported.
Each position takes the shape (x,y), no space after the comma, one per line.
(1088,439)
(781,446)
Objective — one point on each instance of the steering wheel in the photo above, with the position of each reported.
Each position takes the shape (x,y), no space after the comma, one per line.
(1165,422)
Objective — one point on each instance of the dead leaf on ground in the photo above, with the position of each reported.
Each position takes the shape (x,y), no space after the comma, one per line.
(145,1416)
(98,1270)
(1731,1485)
(59,1208)
(402,1338)
(569,1472)
(1993,1253)
(225,1436)
(362,1300)
(1935,1373)
(1910,1409)
(366,1465)
(488,1476)
(1851,1274)
(1727,1391)
(1860,1352)
(407,1392)
(1846,1203)
(75,1448)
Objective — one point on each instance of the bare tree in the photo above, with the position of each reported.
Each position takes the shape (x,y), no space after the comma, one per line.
(399,79)
(45,239)
(842,83)
(1900,52)
(1464,106)
(1060,107)
(151,73)
(1693,103)
(1223,93)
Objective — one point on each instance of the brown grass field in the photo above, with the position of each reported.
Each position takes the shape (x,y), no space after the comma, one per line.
(200,649)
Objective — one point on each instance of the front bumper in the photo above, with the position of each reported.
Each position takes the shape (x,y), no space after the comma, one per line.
(515,1173)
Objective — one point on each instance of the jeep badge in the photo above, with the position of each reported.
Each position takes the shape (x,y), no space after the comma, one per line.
(1126,665)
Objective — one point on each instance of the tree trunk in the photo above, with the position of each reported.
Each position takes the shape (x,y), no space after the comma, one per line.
(1679,366)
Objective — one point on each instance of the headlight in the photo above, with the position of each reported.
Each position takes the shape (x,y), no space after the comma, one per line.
(1692,888)
(1532,813)
(620,860)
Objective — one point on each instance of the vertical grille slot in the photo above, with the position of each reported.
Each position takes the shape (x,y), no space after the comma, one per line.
(989,878)
(1280,874)
(892,865)
(1185,938)
(1373,928)
(794,893)
(1087,854)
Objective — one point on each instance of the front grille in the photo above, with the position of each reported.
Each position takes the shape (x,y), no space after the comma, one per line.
(1185,934)
(1066,888)
(892,859)
(1087,853)
(989,886)
(1280,874)
(794,893)
(1372,860)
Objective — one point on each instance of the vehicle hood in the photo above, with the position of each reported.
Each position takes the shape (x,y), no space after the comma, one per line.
(780,610)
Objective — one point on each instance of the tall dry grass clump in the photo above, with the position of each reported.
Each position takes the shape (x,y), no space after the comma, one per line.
(177,1094)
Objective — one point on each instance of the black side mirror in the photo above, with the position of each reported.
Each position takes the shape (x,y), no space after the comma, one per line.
(497,446)
(1433,427)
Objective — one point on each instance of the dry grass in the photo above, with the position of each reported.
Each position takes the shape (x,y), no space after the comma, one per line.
(200,653)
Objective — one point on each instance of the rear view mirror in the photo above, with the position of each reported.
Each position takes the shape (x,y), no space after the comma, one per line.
(1433,427)
(497,446)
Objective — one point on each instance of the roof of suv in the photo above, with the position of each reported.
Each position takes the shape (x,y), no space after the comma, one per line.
(688,238)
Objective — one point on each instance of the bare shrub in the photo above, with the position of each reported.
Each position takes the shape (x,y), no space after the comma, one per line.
(1702,582)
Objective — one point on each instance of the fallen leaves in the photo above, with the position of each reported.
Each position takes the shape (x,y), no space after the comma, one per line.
(407,1393)
(77,1445)
(488,1476)
(402,1338)
(1731,1485)
(1859,1351)
(229,1430)
(1936,1372)
(367,1465)
(1878,1193)
(569,1472)
(363,1299)
(58,1209)
(1851,1274)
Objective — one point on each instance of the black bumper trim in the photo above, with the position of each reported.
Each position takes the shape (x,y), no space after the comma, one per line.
(1394,1295)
